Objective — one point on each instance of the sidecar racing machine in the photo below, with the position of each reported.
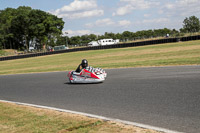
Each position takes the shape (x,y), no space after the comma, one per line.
(96,75)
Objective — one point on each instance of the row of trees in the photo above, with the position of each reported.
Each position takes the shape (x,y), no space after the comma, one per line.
(24,25)
(21,27)
(125,36)
(190,25)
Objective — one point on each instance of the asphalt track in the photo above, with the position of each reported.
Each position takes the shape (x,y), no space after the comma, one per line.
(166,97)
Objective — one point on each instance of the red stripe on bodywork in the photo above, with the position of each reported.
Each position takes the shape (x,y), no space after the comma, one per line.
(92,75)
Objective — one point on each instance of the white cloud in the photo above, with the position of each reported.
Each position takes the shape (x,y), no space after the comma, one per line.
(182,8)
(140,4)
(123,10)
(101,23)
(104,22)
(78,5)
(77,32)
(156,23)
(89,25)
(108,22)
(187,2)
(124,23)
(79,9)
(131,5)
(84,14)
(159,20)
(169,6)
(147,15)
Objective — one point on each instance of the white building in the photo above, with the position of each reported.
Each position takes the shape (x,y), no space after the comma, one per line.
(103,42)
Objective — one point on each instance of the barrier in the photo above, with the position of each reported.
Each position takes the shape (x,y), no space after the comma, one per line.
(122,45)
(189,38)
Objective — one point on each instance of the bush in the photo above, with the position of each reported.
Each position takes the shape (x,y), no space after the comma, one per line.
(1,46)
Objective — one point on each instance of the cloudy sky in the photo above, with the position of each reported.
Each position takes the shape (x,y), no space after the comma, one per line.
(100,16)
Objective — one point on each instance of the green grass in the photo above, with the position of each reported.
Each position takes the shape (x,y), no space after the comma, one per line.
(2,53)
(182,53)
(7,52)
(22,119)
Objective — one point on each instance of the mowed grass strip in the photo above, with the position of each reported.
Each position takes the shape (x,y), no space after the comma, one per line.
(181,53)
(22,119)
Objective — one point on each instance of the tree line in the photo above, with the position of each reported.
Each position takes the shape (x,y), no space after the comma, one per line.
(190,25)
(24,26)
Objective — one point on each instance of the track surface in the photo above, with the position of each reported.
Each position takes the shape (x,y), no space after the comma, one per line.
(166,97)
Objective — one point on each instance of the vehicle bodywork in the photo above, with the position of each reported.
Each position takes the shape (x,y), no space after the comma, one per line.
(85,76)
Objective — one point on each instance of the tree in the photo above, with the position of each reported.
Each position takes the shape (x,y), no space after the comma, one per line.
(191,24)
(61,40)
(19,27)
(127,35)
(109,35)
(75,40)
(140,34)
(85,39)
(45,27)
(92,37)
(174,33)
(118,36)
(53,27)
(6,36)
(149,33)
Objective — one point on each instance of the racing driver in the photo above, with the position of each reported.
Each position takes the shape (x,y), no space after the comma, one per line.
(84,65)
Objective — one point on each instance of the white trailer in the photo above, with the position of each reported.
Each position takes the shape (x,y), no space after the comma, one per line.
(93,43)
(103,42)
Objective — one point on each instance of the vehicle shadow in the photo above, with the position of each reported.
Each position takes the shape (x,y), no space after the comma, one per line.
(68,83)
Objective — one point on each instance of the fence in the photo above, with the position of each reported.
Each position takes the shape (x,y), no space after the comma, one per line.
(190,38)
(133,44)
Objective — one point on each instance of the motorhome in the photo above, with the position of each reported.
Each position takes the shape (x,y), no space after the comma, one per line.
(103,42)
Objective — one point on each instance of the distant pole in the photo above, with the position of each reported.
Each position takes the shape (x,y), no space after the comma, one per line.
(66,39)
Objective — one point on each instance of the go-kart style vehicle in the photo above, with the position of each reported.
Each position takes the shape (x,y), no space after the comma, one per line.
(93,75)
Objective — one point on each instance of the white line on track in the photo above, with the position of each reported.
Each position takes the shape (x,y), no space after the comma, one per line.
(96,116)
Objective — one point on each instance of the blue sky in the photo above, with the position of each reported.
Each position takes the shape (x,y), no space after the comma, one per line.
(100,16)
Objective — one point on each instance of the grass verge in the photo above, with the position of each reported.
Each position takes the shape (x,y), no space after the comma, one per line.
(22,119)
(2,53)
(182,53)
(8,52)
